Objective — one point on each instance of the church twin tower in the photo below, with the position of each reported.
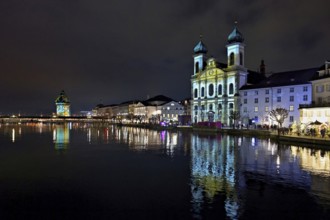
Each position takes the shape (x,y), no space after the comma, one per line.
(215,86)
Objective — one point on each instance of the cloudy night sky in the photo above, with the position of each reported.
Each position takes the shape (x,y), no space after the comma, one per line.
(112,51)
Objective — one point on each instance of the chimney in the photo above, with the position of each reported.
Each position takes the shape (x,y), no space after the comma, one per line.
(262,69)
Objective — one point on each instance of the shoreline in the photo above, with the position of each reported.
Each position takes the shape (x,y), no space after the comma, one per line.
(260,133)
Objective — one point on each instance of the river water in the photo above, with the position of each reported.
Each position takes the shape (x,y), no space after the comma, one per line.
(87,171)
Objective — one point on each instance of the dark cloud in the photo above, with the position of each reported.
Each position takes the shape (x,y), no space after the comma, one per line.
(118,50)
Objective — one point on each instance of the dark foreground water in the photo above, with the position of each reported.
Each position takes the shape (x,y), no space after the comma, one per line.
(90,172)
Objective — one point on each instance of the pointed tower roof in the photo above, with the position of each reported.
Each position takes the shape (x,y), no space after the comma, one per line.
(200,47)
(62,98)
(235,36)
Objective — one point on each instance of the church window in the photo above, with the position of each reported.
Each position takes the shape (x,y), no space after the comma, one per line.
(196,67)
(195,93)
(231,88)
(219,89)
(202,92)
(211,90)
(231,59)
(241,58)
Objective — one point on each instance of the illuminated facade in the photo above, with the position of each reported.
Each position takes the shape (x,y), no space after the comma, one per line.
(286,90)
(215,86)
(62,105)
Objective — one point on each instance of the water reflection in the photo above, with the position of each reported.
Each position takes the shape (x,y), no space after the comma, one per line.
(222,166)
(213,171)
(61,136)
(224,171)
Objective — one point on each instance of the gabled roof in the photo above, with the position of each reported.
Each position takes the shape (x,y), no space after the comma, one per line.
(294,77)
(157,100)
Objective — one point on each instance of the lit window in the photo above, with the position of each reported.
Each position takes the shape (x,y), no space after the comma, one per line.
(266,109)
(211,90)
(291,118)
(291,98)
(256,109)
(219,89)
(320,88)
(231,88)
(231,59)
(291,108)
(305,97)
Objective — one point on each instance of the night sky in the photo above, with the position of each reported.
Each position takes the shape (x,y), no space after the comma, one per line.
(111,51)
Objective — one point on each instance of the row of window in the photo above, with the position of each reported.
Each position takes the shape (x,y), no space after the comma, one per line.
(279,99)
(202,107)
(291,118)
(320,88)
(211,90)
(279,90)
(256,108)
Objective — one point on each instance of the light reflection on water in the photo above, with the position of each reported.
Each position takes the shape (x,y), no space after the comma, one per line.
(221,167)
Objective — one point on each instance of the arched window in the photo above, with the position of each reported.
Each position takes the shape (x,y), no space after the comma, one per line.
(231,105)
(219,89)
(211,107)
(241,58)
(219,106)
(202,92)
(211,90)
(231,59)
(231,88)
(196,67)
(195,93)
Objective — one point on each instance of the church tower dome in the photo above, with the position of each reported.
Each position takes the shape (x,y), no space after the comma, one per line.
(200,48)
(235,49)
(235,37)
(199,56)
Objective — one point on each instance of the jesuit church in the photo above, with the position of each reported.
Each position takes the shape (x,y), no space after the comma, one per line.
(215,86)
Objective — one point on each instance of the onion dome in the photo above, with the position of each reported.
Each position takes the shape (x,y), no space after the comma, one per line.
(235,36)
(62,98)
(200,48)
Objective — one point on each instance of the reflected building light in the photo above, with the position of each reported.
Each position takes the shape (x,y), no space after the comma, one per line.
(20,131)
(253,142)
(278,162)
(239,142)
(62,137)
(70,125)
(54,135)
(89,135)
(13,135)
(273,150)
(98,133)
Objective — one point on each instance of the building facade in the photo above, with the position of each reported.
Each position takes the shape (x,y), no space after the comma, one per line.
(215,86)
(62,105)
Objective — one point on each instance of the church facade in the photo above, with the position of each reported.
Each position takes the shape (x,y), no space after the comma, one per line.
(215,86)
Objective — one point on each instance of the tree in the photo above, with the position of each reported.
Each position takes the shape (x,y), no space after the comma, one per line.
(279,115)
(234,115)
